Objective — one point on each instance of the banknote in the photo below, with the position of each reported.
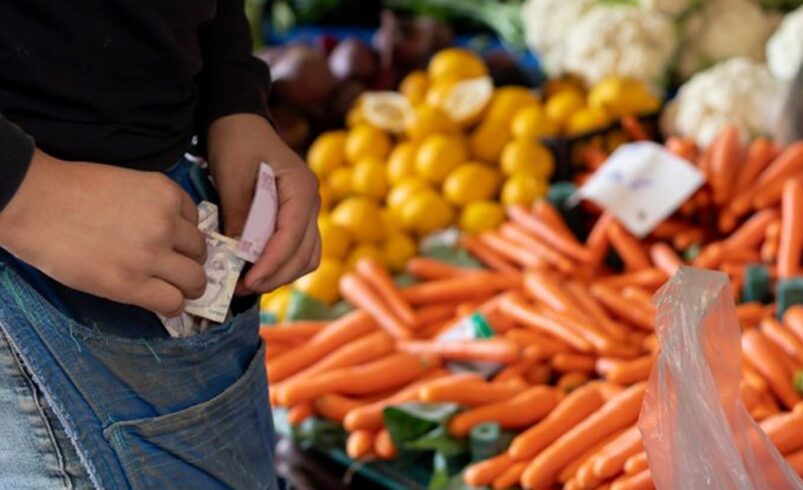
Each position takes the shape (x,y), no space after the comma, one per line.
(261,221)
(208,217)
(184,325)
(222,268)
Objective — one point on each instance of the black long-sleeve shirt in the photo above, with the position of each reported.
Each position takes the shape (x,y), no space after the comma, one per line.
(122,82)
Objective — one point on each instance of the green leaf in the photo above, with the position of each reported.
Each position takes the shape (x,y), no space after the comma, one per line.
(451,255)
(404,280)
(318,433)
(409,421)
(304,307)
(438,440)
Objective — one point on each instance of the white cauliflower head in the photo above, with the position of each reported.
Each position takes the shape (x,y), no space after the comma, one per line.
(740,91)
(620,40)
(724,29)
(785,47)
(671,7)
(546,23)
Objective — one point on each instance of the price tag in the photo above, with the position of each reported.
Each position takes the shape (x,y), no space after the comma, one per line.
(641,184)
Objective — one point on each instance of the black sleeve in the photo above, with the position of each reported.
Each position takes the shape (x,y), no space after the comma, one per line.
(16,151)
(232,80)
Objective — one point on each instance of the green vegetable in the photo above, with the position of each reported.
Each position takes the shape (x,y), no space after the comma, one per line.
(410,421)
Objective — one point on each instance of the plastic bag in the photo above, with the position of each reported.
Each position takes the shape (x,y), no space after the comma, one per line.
(696,429)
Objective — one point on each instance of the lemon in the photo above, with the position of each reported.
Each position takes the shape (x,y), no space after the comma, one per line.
(322,283)
(619,96)
(335,240)
(487,140)
(414,86)
(438,155)
(466,101)
(587,119)
(339,183)
(368,178)
(456,63)
(386,110)
(401,162)
(390,222)
(470,182)
(437,91)
(507,101)
(361,217)
(327,152)
(402,191)
(365,140)
(325,194)
(398,249)
(562,105)
(362,251)
(564,84)
(481,216)
(531,122)
(527,157)
(425,212)
(276,301)
(426,120)
(523,189)
(355,116)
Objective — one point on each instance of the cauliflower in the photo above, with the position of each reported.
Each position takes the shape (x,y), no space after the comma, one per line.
(671,7)
(785,47)
(739,91)
(620,40)
(724,29)
(546,23)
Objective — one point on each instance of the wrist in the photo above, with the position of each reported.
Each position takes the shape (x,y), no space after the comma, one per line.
(34,186)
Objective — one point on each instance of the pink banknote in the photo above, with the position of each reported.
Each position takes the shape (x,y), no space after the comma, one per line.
(261,222)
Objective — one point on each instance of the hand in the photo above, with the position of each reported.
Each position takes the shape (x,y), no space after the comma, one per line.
(124,235)
(236,145)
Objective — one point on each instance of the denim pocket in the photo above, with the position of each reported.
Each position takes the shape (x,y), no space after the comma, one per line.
(219,443)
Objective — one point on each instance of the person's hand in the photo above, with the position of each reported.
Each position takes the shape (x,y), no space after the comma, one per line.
(124,235)
(236,145)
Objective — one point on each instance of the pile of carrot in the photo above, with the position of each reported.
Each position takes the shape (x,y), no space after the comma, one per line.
(574,339)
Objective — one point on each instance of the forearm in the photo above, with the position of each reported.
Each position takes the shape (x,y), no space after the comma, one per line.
(16,152)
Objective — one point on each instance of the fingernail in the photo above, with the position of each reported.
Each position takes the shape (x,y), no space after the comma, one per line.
(257,285)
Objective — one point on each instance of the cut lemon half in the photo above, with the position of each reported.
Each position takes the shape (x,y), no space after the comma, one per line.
(465,102)
(386,110)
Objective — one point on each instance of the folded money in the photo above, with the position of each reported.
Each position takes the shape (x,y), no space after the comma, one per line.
(184,325)
(208,217)
(261,221)
(222,268)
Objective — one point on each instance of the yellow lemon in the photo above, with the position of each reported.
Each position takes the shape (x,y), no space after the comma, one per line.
(470,182)
(527,157)
(368,178)
(562,105)
(355,116)
(619,96)
(586,120)
(327,152)
(426,120)
(276,301)
(531,122)
(466,100)
(481,216)
(386,110)
(361,217)
(438,155)
(362,251)
(335,240)
(322,283)
(398,249)
(414,86)
(365,140)
(456,63)
(325,193)
(488,139)
(339,183)
(523,189)
(401,192)
(438,90)
(391,222)
(507,101)
(564,84)
(401,162)
(425,212)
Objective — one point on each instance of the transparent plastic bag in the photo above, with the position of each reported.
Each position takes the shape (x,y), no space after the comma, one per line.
(697,432)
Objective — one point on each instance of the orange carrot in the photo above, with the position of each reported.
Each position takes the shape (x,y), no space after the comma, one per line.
(546,288)
(515,307)
(510,477)
(647,278)
(682,147)
(511,250)
(539,374)
(520,411)
(573,362)
(750,314)
(640,481)
(487,255)
(611,459)
(378,277)
(299,413)
(484,472)
(545,232)
(573,409)
(640,298)
(597,241)
(572,380)
(593,157)
(759,154)
(546,347)
(459,289)
(664,258)
(751,233)
(597,313)
(383,445)
(788,163)
(628,372)
(430,314)
(335,407)
(790,246)
(634,129)
(760,354)
(492,350)
(360,444)
(289,332)
(334,335)
(668,228)
(784,431)
(621,307)
(276,349)
(783,338)
(470,392)
(518,235)
(795,460)
(514,372)
(772,239)
(793,320)
(545,211)
(589,331)
(426,268)
(628,248)
(578,471)
(726,221)
(725,164)
(618,413)
(636,463)
(686,238)
(356,291)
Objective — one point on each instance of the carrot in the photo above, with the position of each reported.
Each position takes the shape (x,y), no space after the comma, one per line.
(628,248)
(750,314)
(335,407)
(546,288)
(751,233)
(752,376)
(572,380)
(596,313)
(640,481)
(539,374)
(369,417)
(459,289)
(589,331)
(299,413)
(573,362)
(593,157)
(514,372)
(783,338)
(750,396)
(650,278)
(426,268)
(547,347)
(516,234)
(573,409)
(484,472)
(487,255)
(795,460)
(290,332)
(275,349)
(668,228)
(665,259)
(611,459)
(430,314)
(378,278)
(725,164)
(629,372)
(334,335)
(686,238)
(640,298)
(651,344)
(759,154)
(634,129)
(726,221)
(704,162)
(515,307)
(636,464)
(788,163)
(793,320)
(622,308)
(618,413)
(511,250)
(383,445)
(472,393)
(760,354)
(545,211)
(498,350)
(520,411)
(359,293)
(578,470)
(682,147)
(373,377)
(360,444)
(772,239)
(555,239)
(510,477)
(597,241)
(790,246)
(784,431)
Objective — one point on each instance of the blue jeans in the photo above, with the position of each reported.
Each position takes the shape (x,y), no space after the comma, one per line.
(140,409)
